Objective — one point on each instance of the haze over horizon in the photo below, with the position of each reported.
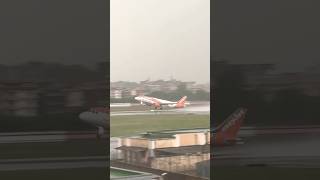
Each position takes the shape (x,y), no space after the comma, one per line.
(164,79)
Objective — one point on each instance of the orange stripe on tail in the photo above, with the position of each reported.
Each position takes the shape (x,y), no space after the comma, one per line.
(229,129)
(181,102)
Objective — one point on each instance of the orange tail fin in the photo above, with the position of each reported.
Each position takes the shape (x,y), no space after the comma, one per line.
(229,129)
(181,102)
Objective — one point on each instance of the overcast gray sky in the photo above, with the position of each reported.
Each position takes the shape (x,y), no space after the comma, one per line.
(159,39)
(70,32)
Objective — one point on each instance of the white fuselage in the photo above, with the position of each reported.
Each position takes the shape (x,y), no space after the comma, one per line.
(152,100)
(95,118)
(156,102)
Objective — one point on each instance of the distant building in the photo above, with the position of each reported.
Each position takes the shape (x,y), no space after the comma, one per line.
(37,88)
(265,79)
(199,87)
(137,92)
(19,99)
(116,93)
(51,101)
(40,98)
(160,85)
(123,93)
(95,93)
(253,73)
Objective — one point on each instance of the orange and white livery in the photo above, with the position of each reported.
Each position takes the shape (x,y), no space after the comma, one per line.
(159,103)
(227,132)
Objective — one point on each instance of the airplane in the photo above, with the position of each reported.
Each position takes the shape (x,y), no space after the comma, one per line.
(158,103)
(226,133)
(97,117)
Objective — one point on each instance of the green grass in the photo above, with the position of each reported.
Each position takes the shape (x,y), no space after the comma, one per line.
(119,173)
(54,149)
(133,125)
(264,173)
(60,174)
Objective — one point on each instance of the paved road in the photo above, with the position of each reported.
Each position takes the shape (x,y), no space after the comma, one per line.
(273,149)
(45,150)
(48,136)
(53,163)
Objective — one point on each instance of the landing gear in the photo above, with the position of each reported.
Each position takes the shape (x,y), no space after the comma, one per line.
(98,136)
(100,132)
(158,108)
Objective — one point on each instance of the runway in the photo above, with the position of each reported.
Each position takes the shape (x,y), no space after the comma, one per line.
(276,147)
(53,163)
(45,136)
(66,154)
(164,112)
(194,108)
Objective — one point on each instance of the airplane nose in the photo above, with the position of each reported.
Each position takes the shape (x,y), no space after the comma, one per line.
(84,116)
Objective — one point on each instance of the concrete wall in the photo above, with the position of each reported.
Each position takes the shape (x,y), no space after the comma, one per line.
(135,142)
(208,138)
(114,153)
(138,158)
(178,163)
(188,139)
(185,139)
(191,139)
(165,143)
(203,169)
